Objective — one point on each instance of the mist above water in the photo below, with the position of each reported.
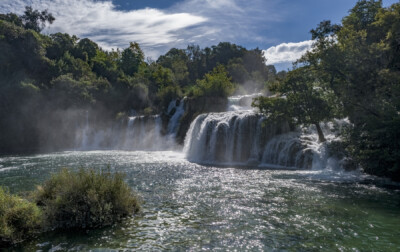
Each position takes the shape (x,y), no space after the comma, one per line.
(133,133)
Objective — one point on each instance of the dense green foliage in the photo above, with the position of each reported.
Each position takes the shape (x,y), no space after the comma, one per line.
(353,70)
(302,102)
(85,199)
(216,83)
(19,219)
(48,82)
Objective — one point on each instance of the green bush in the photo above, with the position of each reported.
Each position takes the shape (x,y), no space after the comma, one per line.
(19,219)
(217,83)
(85,199)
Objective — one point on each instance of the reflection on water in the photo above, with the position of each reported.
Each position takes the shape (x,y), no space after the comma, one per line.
(192,207)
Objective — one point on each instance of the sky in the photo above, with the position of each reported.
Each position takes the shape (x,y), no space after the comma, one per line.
(279,27)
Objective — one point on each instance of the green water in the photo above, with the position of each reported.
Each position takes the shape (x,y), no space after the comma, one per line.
(193,207)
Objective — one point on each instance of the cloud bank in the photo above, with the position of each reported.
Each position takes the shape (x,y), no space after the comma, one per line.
(235,20)
(203,22)
(287,52)
(109,27)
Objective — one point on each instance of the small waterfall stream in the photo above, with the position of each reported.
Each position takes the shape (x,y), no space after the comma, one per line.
(173,124)
(241,102)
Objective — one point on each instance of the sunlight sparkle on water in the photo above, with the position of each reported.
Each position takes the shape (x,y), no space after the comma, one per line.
(192,207)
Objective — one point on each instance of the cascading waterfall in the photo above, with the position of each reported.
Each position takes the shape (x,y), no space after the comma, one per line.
(241,136)
(287,150)
(134,133)
(234,137)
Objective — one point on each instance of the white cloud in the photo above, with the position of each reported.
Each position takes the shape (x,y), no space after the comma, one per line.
(203,22)
(287,52)
(111,28)
(237,21)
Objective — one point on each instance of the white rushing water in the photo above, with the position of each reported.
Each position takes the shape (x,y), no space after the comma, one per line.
(241,136)
(241,102)
(173,124)
(234,137)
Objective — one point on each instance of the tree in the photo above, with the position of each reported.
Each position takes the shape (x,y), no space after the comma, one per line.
(36,20)
(357,66)
(12,18)
(61,43)
(159,77)
(216,83)
(86,49)
(131,59)
(105,64)
(301,101)
(176,60)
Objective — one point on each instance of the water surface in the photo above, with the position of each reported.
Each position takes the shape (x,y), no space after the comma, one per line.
(193,207)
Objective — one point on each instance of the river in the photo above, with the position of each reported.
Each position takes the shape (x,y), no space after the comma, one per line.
(187,206)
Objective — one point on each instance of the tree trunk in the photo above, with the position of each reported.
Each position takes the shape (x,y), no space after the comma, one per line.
(321,136)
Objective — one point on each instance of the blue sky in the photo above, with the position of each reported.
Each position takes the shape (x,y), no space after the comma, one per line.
(280,27)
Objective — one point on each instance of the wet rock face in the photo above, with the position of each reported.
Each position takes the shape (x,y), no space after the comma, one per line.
(207,104)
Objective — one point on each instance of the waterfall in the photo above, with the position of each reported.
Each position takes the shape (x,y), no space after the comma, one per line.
(133,133)
(287,150)
(142,133)
(243,137)
(234,137)
(177,107)
(239,137)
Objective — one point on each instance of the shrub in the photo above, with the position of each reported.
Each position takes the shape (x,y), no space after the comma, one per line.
(85,199)
(217,83)
(19,219)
